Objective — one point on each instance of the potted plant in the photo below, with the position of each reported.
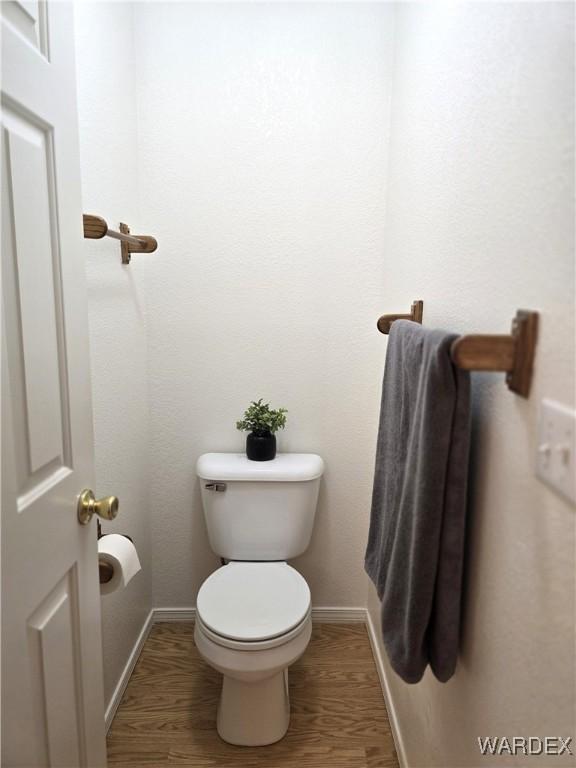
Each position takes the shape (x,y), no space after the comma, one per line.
(261,422)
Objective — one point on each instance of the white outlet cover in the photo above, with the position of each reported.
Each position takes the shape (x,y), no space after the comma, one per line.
(556,453)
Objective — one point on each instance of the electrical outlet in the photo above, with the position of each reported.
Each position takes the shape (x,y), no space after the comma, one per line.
(556,455)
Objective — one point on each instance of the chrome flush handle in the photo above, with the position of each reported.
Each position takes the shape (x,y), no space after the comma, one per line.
(215,487)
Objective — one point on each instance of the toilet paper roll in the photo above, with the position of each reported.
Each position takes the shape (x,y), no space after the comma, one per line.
(122,556)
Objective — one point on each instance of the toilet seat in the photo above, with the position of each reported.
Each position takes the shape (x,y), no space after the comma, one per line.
(253,603)
(258,645)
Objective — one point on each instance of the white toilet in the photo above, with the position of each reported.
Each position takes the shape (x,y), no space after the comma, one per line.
(253,615)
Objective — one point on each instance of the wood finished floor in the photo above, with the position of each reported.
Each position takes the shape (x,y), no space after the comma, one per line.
(167,716)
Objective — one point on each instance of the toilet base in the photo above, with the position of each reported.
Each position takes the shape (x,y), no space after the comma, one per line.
(254,714)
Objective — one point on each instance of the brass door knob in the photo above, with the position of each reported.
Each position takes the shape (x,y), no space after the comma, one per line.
(88,505)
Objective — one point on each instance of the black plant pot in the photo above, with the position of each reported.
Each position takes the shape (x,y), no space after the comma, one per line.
(261,446)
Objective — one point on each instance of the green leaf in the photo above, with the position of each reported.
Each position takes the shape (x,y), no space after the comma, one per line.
(260,417)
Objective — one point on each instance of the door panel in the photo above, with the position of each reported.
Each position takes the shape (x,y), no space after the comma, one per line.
(40,374)
(52,632)
(52,702)
(28,17)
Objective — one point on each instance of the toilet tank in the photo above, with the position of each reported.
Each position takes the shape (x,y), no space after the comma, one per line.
(259,510)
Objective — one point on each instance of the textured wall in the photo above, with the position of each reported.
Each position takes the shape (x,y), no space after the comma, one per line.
(107,112)
(262,146)
(479,224)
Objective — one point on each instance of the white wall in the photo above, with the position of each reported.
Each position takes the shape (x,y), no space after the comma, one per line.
(107,113)
(262,151)
(479,224)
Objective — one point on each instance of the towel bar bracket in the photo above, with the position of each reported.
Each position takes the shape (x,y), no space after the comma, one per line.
(513,354)
(525,335)
(143,244)
(416,312)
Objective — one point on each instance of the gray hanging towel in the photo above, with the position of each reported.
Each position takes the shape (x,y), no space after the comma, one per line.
(416,540)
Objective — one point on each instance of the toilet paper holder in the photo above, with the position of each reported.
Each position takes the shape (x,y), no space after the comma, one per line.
(105,572)
(105,569)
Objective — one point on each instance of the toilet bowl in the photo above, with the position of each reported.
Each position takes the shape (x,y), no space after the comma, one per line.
(253,614)
(253,620)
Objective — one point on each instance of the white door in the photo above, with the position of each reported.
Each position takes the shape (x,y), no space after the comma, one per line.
(52,691)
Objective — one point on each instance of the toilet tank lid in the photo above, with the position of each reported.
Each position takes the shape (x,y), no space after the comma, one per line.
(286,467)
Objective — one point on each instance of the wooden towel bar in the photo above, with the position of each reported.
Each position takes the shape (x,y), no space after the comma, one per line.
(512,354)
(95,227)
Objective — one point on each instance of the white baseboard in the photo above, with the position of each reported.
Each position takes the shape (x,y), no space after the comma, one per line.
(116,697)
(383,675)
(327,614)
(336,615)
(173,614)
